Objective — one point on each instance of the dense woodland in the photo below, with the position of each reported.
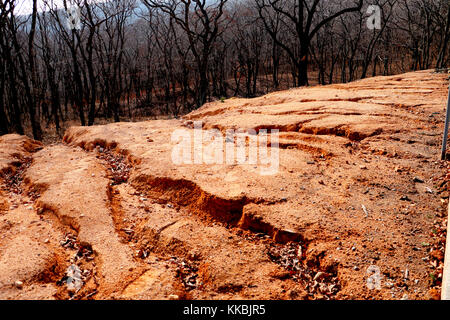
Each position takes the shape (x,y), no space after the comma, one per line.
(130,59)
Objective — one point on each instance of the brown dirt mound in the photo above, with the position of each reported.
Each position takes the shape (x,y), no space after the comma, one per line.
(358,188)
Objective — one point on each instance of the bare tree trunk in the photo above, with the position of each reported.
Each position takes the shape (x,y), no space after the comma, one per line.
(441,62)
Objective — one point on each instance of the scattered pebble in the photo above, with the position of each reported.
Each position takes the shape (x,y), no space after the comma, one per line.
(19,284)
(318,276)
(365,210)
(405,198)
(74,282)
(299,252)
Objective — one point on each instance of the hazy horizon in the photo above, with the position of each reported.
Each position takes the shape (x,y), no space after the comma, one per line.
(25,7)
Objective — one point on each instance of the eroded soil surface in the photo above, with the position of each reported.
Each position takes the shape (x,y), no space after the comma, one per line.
(359,195)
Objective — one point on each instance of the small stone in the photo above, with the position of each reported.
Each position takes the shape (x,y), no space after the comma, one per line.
(418,180)
(318,276)
(74,282)
(363,167)
(405,198)
(46,241)
(299,252)
(173,297)
(405,297)
(365,210)
(18,284)
(355,268)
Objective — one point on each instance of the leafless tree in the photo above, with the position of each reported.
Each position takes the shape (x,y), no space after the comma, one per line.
(300,21)
(202,22)
(132,58)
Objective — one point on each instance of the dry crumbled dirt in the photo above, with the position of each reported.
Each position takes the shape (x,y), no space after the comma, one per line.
(360,194)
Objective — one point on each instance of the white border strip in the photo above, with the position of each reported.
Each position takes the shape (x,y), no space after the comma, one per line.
(445,293)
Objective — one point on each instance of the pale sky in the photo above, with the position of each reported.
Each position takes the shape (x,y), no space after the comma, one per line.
(26,6)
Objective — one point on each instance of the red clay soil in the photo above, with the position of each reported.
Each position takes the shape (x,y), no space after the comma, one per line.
(360,194)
